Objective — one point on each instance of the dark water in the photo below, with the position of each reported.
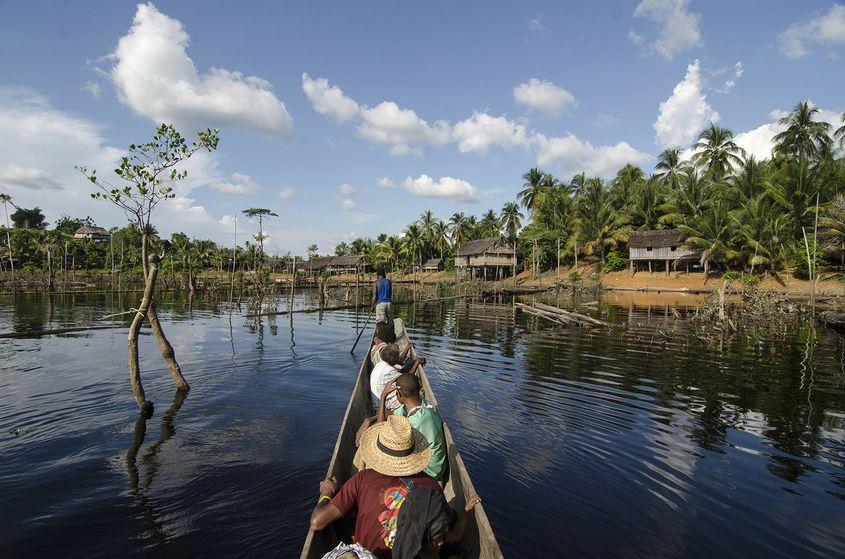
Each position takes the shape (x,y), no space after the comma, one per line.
(582,443)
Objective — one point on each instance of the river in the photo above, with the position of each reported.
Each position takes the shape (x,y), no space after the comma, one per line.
(638,440)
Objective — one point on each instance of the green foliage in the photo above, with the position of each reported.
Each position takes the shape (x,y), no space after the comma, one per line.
(747,279)
(24,218)
(574,276)
(614,261)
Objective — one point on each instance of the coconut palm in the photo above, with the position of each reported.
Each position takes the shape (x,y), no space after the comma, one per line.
(511,218)
(716,152)
(804,136)
(761,231)
(710,234)
(670,166)
(578,184)
(750,178)
(536,183)
(689,201)
(414,243)
(627,181)
(795,189)
(489,226)
(648,204)
(839,135)
(456,224)
(832,222)
(440,236)
(601,225)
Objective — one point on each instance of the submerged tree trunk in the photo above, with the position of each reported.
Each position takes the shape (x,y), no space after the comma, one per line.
(145,405)
(166,350)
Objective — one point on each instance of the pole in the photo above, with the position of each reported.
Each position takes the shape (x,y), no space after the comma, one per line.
(367,323)
(9,242)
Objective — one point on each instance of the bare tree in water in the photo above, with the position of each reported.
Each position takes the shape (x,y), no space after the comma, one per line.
(147,174)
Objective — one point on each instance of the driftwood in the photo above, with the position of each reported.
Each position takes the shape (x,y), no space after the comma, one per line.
(560,316)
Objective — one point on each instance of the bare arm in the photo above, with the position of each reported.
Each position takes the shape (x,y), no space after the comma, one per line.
(413,365)
(325,513)
(405,352)
(382,408)
(457,531)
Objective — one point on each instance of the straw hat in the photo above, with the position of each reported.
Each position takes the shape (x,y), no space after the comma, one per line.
(394,448)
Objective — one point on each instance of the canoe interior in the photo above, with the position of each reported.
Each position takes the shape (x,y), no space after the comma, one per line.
(479,540)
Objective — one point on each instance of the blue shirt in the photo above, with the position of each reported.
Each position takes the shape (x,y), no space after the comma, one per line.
(384,291)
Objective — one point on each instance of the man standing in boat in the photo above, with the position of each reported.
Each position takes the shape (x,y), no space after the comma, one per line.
(383,298)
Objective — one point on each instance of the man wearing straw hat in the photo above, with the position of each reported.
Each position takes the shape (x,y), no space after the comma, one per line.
(395,453)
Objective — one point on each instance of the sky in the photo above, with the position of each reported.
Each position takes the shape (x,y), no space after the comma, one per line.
(349,119)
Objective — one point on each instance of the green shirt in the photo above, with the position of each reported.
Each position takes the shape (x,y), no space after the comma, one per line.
(425,420)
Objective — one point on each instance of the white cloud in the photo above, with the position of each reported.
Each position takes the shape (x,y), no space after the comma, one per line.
(31,178)
(346,189)
(826,30)
(447,187)
(286,192)
(348,204)
(544,97)
(238,184)
(570,155)
(605,119)
(41,146)
(329,100)
(686,112)
(93,89)
(678,28)
(154,76)
(402,129)
(730,82)
(536,24)
(385,182)
(635,38)
(477,133)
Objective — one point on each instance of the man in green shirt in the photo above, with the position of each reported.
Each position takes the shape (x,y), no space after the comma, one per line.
(423,418)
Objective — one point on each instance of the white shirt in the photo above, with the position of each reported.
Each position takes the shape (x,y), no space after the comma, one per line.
(382,375)
(375,353)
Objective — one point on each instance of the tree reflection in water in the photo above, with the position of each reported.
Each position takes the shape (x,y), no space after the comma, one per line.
(150,461)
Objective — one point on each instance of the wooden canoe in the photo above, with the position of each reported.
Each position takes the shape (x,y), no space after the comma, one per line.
(479,540)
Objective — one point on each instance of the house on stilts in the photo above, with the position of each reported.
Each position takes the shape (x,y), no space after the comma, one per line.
(489,258)
(663,249)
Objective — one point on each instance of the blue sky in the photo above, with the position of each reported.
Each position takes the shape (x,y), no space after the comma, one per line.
(448,103)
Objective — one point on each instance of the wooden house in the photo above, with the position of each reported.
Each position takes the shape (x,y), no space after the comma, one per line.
(433,265)
(91,233)
(347,265)
(492,256)
(316,265)
(660,247)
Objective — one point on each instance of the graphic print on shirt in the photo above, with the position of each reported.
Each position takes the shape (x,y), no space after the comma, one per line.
(394,497)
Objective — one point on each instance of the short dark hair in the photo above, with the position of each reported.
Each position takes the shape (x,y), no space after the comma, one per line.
(409,385)
(390,354)
(384,332)
(380,273)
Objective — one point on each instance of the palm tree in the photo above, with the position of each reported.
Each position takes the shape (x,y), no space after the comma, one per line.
(414,243)
(649,204)
(804,136)
(5,199)
(601,225)
(440,236)
(311,251)
(840,133)
(689,201)
(716,151)
(761,230)
(795,189)
(627,181)
(750,179)
(536,184)
(393,247)
(833,224)
(511,219)
(457,224)
(711,233)
(489,225)
(670,166)
(578,184)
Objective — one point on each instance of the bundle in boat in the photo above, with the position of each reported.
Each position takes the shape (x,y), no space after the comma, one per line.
(560,316)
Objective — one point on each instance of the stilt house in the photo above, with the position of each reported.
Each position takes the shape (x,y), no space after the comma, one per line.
(492,257)
(664,249)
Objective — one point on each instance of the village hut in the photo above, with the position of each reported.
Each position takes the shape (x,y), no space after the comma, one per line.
(492,256)
(316,265)
(90,233)
(347,265)
(660,247)
(433,265)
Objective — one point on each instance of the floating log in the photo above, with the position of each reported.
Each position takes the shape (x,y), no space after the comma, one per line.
(561,316)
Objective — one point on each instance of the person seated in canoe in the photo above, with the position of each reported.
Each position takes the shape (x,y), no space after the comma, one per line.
(385,334)
(400,511)
(385,371)
(382,298)
(423,418)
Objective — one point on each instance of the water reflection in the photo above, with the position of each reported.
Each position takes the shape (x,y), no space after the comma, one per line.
(150,461)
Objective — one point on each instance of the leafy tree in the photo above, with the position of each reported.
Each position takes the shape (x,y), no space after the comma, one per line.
(710,234)
(311,250)
(24,218)
(260,213)
(341,249)
(147,173)
(68,225)
(670,166)
(536,184)
(511,218)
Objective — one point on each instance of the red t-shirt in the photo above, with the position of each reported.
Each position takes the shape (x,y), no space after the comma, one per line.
(377,498)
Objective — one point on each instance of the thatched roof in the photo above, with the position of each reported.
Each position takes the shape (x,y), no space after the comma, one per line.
(318,262)
(347,260)
(656,238)
(433,263)
(489,244)
(88,230)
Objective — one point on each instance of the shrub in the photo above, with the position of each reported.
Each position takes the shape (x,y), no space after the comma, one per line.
(747,279)
(613,262)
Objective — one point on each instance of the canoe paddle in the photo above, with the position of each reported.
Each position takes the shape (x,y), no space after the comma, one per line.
(367,323)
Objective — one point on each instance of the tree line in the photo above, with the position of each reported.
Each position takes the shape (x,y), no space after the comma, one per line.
(738,212)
